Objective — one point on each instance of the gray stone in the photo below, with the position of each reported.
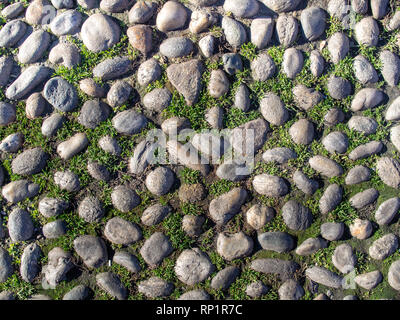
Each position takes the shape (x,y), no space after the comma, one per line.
(302,132)
(388,170)
(54,229)
(193,266)
(192,225)
(276,241)
(140,38)
(234,171)
(98,171)
(394,275)
(242,98)
(271,186)
(155,249)
(296,216)
(172,126)
(364,198)
(305,184)
(310,246)
(74,145)
(262,67)
(59,263)
(357,175)
(67,22)
(112,68)
(172,16)
(333,117)
(324,276)
(363,124)
(141,12)
(7,295)
(332,231)
(279,155)
(207,45)
(359,6)
(160,181)
(195,295)
(127,260)
(325,166)
(19,190)
(367,98)
(155,287)
(30,262)
(148,72)
(256,289)
(383,247)
(387,211)
(6,269)
(285,269)
(393,111)
(290,290)
(214,117)
(99,32)
(287,29)
(331,198)
(120,231)
(115,6)
(29,162)
(91,88)
(313,22)
(224,278)
(364,70)
(35,106)
(394,22)
(281,5)
(111,283)
(238,139)
(155,214)
(336,142)
(231,246)
(176,47)
(12,142)
(92,250)
(80,292)
(218,84)
(379,8)
(273,109)
(181,154)
(366,150)
(20,225)
(40,12)
(343,258)
(91,209)
(390,69)
(34,47)
(157,100)
(317,63)
(129,122)
(234,31)
(369,280)
(261,31)
(366,32)
(28,80)
(339,88)
(143,155)
(13,10)
(293,62)
(6,65)
(61,4)
(119,93)
(7,113)
(241,8)
(306,98)
(11,33)
(110,145)
(338,46)
(124,198)
(226,206)
(186,78)
(61,94)
(51,124)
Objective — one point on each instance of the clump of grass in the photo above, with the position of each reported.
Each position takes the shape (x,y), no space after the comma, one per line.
(190,176)
(173,228)
(221,186)
(248,51)
(236,117)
